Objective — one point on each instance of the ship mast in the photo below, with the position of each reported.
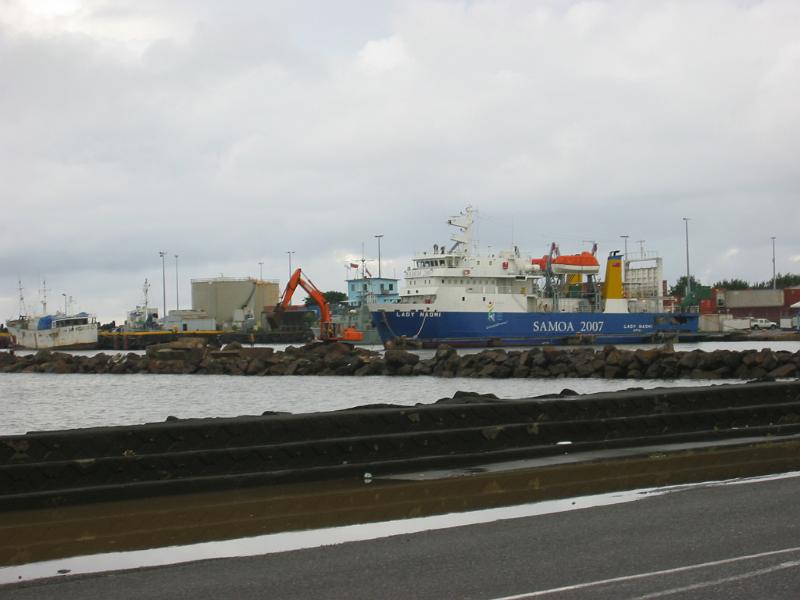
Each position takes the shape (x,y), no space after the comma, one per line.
(146,290)
(462,239)
(44,296)
(21,300)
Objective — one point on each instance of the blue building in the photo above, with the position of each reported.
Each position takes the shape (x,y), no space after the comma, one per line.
(381,290)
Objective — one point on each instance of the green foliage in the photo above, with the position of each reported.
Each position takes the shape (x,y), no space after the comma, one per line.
(732,284)
(781,281)
(332,296)
(679,289)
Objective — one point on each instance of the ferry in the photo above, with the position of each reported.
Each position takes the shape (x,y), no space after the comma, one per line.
(462,297)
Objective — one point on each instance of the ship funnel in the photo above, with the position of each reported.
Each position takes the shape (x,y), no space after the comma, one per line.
(613,295)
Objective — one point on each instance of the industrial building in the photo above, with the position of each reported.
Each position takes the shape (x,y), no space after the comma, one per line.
(380,290)
(234,303)
(189,320)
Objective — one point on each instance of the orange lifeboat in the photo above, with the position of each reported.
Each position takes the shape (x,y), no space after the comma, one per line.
(584,263)
(540,262)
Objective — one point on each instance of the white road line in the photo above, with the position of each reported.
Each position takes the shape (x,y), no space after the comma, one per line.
(590,584)
(705,584)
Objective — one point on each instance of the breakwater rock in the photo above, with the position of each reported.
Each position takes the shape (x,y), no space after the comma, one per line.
(194,356)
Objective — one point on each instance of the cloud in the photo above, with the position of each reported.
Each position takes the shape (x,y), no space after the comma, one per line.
(231,134)
(383,55)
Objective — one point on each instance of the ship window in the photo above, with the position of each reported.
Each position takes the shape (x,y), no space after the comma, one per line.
(484,298)
(391,287)
(442,280)
(463,299)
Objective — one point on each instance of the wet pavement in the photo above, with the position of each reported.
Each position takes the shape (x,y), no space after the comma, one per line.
(142,527)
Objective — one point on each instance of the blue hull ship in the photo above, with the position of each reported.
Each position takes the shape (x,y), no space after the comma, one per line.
(462,297)
(469,329)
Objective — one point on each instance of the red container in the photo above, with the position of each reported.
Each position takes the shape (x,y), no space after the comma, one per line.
(791,296)
(708,306)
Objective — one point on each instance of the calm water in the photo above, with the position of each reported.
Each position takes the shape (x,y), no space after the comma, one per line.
(37,401)
(43,401)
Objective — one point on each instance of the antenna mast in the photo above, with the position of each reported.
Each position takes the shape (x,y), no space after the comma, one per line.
(44,296)
(21,299)
(146,290)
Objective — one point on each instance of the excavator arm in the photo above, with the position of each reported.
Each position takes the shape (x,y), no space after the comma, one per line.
(296,279)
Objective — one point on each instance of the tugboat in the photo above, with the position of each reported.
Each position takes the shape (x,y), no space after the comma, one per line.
(461,297)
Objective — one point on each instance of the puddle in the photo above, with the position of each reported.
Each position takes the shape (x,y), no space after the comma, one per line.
(130,534)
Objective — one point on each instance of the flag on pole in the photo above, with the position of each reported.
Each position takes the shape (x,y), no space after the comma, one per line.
(353,266)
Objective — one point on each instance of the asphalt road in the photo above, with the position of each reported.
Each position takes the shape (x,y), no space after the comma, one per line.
(733,542)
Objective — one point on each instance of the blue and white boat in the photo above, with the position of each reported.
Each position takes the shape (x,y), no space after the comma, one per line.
(462,297)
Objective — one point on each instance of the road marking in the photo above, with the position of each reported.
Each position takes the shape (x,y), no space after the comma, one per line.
(704,584)
(713,563)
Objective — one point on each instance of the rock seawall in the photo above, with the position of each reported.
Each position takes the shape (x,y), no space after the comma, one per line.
(194,356)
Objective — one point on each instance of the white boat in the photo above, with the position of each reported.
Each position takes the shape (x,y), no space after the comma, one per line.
(54,332)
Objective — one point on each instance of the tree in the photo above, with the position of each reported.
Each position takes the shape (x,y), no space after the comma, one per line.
(732,284)
(679,289)
(332,297)
(781,281)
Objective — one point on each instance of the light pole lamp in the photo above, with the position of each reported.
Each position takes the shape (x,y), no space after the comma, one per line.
(162,254)
(688,280)
(65,303)
(177,296)
(260,271)
(379,236)
(290,252)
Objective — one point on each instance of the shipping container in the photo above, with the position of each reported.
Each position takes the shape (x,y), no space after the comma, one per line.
(708,306)
(754,298)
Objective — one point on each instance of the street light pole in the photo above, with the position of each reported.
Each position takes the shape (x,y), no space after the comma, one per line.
(290,252)
(379,236)
(774,280)
(688,280)
(260,271)
(162,254)
(177,296)
(65,303)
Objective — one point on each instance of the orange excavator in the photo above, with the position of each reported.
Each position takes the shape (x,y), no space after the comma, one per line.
(328,330)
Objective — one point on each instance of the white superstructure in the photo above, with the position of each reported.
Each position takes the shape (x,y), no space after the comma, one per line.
(461,279)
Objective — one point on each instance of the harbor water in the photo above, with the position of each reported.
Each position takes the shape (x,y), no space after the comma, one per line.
(37,401)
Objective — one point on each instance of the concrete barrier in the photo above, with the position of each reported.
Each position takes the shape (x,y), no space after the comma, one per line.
(52,468)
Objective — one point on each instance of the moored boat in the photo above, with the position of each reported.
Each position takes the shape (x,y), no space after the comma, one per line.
(54,332)
(462,297)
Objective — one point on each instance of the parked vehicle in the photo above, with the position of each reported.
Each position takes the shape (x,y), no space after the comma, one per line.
(762,324)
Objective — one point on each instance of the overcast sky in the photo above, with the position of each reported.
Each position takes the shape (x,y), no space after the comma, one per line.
(231,132)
